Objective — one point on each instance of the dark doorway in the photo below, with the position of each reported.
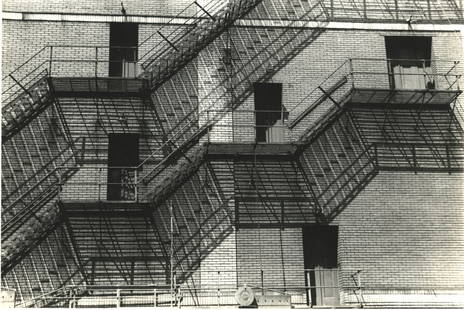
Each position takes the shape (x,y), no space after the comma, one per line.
(321,265)
(409,62)
(270,114)
(124,38)
(123,153)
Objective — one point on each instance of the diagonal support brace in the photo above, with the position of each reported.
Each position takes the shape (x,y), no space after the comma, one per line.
(330,97)
(206,12)
(20,85)
(169,42)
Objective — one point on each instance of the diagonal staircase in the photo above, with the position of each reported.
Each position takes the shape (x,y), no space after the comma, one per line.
(343,159)
(26,103)
(28,98)
(36,162)
(338,166)
(29,93)
(184,43)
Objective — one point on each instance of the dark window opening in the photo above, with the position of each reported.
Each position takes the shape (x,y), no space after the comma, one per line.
(270,113)
(409,62)
(320,260)
(124,38)
(123,155)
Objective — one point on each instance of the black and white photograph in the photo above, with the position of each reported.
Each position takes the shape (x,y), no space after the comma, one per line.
(229,154)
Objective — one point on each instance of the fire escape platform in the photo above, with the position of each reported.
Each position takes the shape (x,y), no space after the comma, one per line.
(104,208)
(407,98)
(93,87)
(235,150)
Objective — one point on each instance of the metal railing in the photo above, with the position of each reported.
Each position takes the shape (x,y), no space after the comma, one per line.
(122,61)
(212,287)
(99,183)
(269,126)
(412,74)
(284,126)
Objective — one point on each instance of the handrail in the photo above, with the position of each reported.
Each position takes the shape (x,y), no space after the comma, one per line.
(24,63)
(318,102)
(321,83)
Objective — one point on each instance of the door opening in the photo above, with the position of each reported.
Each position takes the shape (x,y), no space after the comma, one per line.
(123,154)
(321,265)
(124,38)
(270,114)
(409,64)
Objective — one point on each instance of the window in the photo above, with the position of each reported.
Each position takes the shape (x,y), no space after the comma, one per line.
(124,39)
(320,245)
(270,114)
(123,153)
(409,62)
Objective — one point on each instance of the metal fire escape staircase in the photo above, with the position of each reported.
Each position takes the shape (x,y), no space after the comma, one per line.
(29,96)
(184,43)
(342,146)
(32,100)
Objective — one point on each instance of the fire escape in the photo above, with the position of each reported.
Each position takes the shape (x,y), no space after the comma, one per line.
(332,125)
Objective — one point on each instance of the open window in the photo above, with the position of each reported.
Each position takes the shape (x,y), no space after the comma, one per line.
(270,113)
(409,62)
(123,49)
(123,156)
(321,266)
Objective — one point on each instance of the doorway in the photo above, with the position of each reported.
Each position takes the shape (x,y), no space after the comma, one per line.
(123,153)
(270,115)
(321,265)
(409,62)
(124,38)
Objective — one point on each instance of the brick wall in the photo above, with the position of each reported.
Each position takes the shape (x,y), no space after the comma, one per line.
(405,231)
(113,7)
(318,60)
(374,9)
(22,39)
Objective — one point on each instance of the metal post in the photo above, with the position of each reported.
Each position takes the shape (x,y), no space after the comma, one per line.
(155,298)
(364,9)
(425,74)
(331,9)
(351,72)
(96,61)
(260,259)
(50,63)
(218,289)
(429,9)
(118,298)
(99,183)
(171,251)
(207,123)
(136,185)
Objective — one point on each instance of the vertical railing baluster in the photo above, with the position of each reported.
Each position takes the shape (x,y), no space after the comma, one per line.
(50,62)
(96,61)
